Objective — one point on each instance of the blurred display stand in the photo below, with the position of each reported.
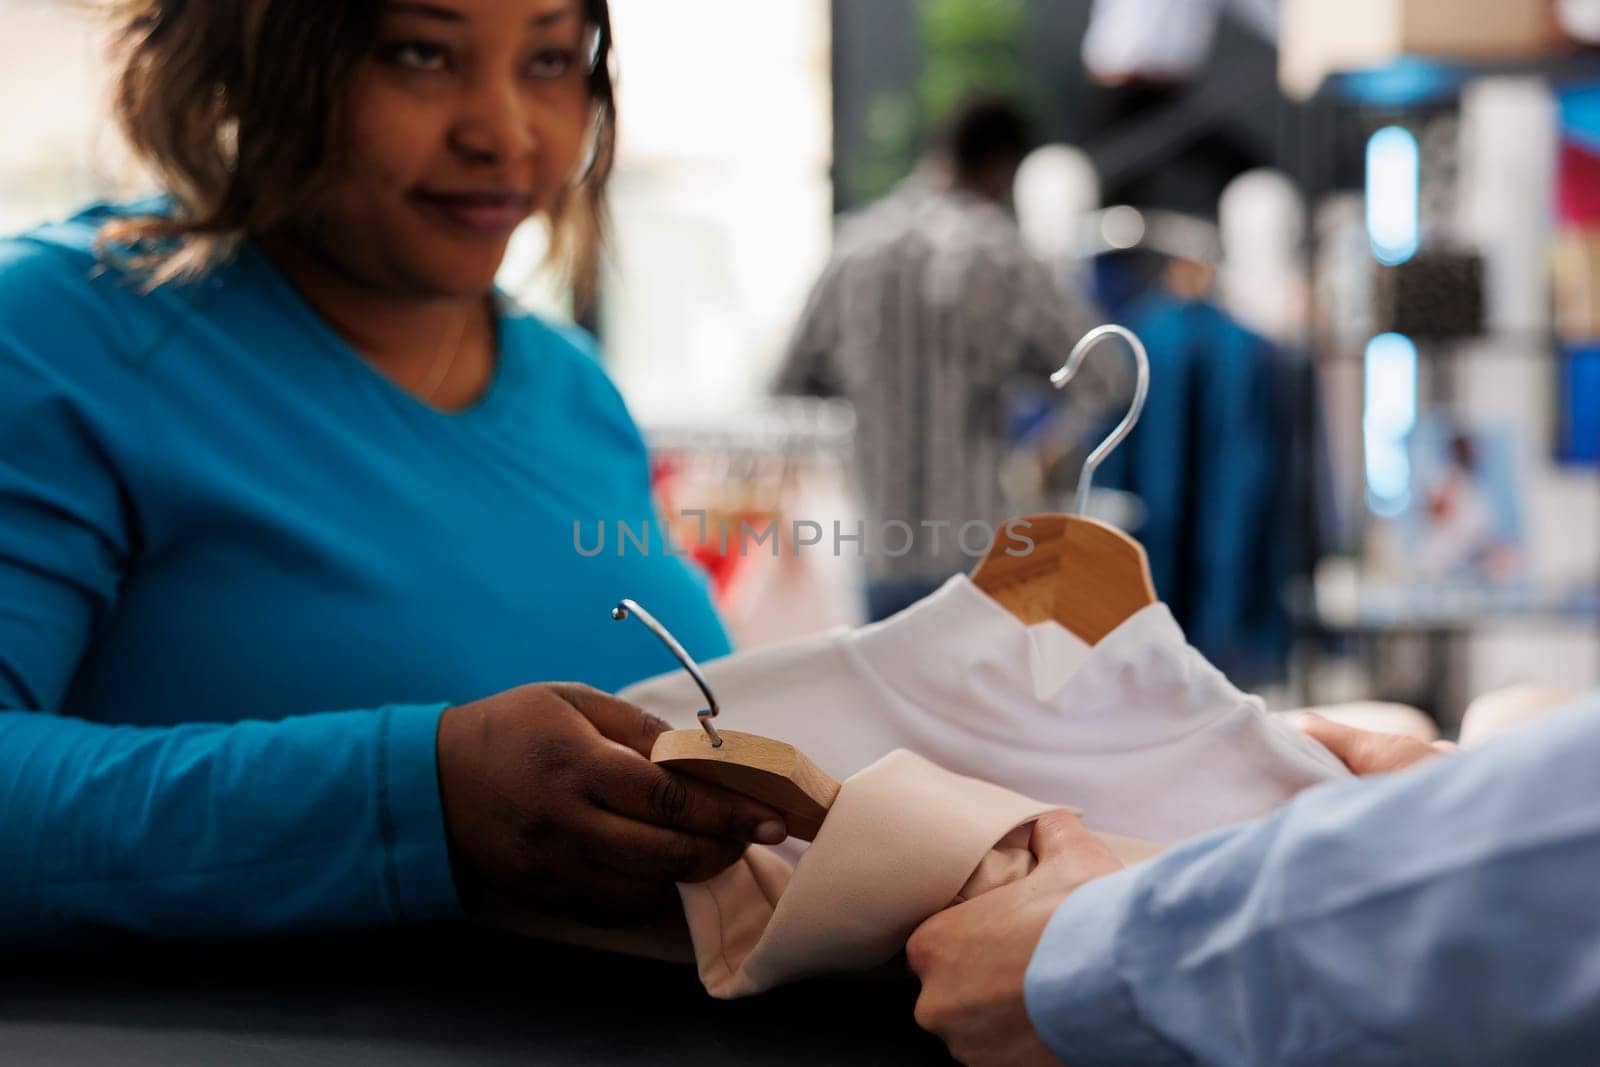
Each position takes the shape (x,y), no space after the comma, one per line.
(1341,599)
(1412,642)
(1319,38)
(1451,344)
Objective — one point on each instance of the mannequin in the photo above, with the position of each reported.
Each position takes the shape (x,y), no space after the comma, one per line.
(1261,216)
(1056,185)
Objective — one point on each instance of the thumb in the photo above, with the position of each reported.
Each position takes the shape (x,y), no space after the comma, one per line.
(1069,854)
(1335,737)
(614,719)
(1057,834)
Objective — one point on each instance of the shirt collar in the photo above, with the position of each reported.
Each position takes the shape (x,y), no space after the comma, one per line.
(959,638)
(959,653)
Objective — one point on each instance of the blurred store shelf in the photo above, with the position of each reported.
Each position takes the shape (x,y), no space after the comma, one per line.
(1320,40)
(1370,605)
(1419,80)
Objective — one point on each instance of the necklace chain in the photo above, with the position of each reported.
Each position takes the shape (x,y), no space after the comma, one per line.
(444,362)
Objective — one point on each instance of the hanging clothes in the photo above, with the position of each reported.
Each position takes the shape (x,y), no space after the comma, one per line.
(1165,40)
(769,514)
(793,587)
(1223,461)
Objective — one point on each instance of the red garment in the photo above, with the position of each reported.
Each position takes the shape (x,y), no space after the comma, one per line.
(1578,186)
(723,565)
(720,566)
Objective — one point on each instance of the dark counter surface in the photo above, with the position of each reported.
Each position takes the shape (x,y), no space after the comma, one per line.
(446,995)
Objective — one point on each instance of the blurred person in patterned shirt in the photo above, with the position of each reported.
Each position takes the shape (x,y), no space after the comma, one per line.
(929,307)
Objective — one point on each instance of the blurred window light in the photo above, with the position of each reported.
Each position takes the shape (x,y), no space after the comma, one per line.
(1393,166)
(1389,416)
(721,200)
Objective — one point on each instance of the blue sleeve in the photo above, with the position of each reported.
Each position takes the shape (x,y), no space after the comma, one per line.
(320,822)
(1443,915)
(194,831)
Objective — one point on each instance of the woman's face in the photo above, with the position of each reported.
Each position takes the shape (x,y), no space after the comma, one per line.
(467,117)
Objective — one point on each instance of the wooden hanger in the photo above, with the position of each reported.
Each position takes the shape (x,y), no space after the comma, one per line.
(773,772)
(1086,575)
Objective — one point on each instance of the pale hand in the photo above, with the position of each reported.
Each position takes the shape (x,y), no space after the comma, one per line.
(1367,751)
(972,958)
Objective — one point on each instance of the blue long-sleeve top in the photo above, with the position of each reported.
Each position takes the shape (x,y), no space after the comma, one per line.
(242,574)
(1446,915)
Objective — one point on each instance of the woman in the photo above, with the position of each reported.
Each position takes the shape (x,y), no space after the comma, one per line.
(286,487)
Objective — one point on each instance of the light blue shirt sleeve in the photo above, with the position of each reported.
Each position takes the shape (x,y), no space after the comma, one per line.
(1448,914)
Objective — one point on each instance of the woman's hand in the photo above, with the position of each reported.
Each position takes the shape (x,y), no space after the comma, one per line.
(551,803)
(1367,751)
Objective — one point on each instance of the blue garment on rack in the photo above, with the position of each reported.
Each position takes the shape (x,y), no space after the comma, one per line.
(1580,410)
(1208,460)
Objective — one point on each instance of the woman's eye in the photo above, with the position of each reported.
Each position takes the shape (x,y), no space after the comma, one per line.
(417,55)
(550,64)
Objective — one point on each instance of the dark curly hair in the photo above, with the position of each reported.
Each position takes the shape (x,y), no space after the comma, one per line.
(241,108)
(985,131)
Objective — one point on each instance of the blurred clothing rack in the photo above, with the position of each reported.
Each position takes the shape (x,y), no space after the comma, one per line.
(759,499)
(790,427)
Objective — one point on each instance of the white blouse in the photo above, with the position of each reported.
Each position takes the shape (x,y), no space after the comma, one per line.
(1139,732)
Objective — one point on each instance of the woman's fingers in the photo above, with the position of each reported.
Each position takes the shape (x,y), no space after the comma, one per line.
(641,790)
(649,853)
(616,719)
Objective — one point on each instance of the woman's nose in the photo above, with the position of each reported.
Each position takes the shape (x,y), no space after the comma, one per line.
(496,123)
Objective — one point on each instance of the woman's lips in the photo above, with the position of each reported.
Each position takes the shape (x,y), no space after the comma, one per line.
(486,214)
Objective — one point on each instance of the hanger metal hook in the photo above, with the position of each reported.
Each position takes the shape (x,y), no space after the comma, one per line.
(1141,390)
(629,607)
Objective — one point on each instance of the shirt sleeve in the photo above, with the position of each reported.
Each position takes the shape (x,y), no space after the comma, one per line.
(808,367)
(1441,915)
(194,831)
(206,832)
